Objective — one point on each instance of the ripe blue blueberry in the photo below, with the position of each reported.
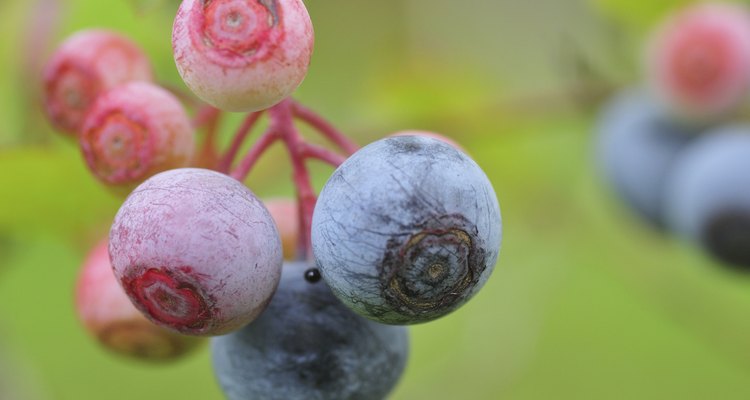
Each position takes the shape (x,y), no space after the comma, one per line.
(636,146)
(708,196)
(307,345)
(406,230)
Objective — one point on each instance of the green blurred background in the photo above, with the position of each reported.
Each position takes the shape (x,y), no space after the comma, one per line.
(585,303)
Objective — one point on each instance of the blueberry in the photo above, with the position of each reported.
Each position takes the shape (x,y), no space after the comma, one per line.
(307,345)
(708,196)
(636,145)
(406,230)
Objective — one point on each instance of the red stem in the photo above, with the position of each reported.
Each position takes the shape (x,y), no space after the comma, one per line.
(282,128)
(247,163)
(322,126)
(282,118)
(242,133)
(309,150)
(208,117)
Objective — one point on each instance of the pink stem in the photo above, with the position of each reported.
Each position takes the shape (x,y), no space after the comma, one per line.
(282,128)
(309,150)
(326,129)
(247,163)
(207,117)
(282,118)
(244,130)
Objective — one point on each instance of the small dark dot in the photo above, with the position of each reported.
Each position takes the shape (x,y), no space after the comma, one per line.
(312,275)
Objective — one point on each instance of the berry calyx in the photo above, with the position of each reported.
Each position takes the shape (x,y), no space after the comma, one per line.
(87,64)
(242,55)
(196,251)
(135,131)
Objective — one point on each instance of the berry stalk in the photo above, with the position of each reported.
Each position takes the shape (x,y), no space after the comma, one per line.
(282,128)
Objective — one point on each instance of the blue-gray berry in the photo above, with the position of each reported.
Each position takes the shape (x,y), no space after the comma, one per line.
(636,146)
(406,230)
(708,196)
(307,345)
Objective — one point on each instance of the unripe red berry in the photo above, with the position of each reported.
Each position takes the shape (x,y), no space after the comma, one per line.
(430,135)
(135,131)
(285,213)
(107,313)
(88,63)
(242,55)
(699,60)
(196,251)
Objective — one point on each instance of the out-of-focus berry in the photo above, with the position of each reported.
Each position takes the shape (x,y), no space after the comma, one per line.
(636,145)
(699,60)
(708,195)
(87,64)
(133,132)
(111,318)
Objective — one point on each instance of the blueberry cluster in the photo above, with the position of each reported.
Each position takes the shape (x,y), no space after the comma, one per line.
(676,149)
(304,298)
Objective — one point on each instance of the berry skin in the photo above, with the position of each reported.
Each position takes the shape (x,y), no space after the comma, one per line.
(87,64)
(196,252)
(699,61)
(406,230)
(307,345)
(242,55)
(110,317)
(286,215)
(636,146)
(708,196)
(133,132)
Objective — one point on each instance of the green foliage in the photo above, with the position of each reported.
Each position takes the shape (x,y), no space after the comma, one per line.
(637,14)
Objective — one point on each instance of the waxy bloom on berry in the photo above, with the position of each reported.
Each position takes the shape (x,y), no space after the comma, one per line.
(196,251)
(242,55)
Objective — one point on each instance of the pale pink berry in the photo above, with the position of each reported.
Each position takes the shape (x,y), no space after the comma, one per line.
(86,64)
(285,213)
(107,313)
(135,131)
(699,60)
(196,251)
(242,55)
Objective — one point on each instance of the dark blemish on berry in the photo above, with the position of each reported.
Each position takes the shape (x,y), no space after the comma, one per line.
(727,237)
(433,269)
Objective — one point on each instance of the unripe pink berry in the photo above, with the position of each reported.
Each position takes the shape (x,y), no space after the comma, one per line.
(242,55)
(196,251)
(285,214)
(429,135)
(135,131)
(88,63)
(111,318)
(699,60)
